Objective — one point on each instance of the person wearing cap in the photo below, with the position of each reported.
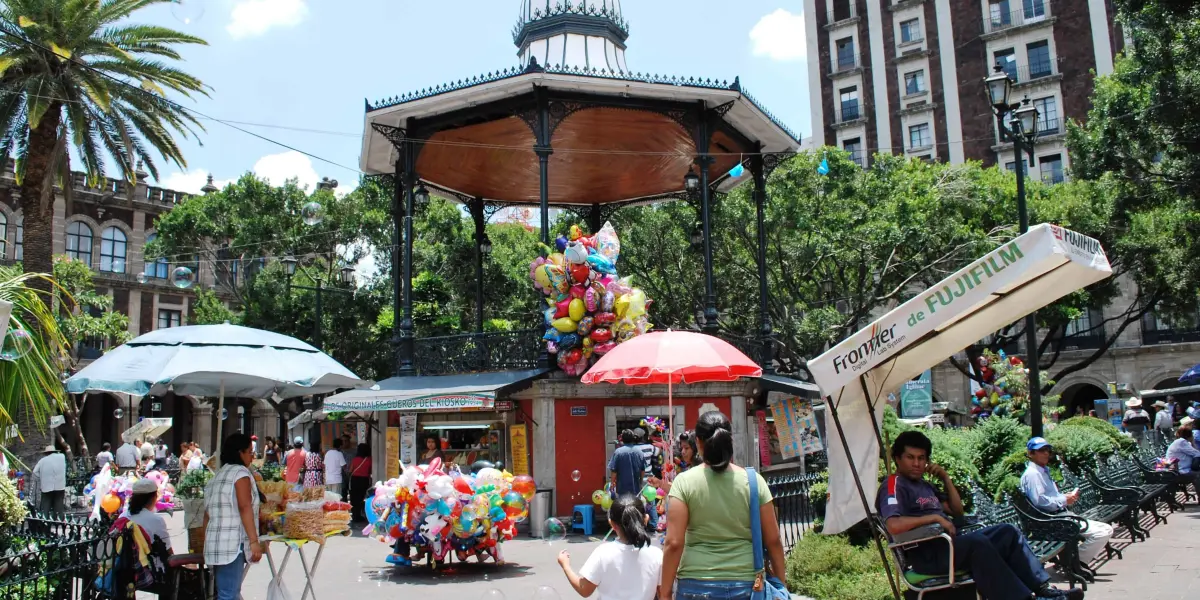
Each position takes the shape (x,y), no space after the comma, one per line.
(293,461)
(51,473)
(1042,492)
(1162,419)
(140,509)
(1136,420)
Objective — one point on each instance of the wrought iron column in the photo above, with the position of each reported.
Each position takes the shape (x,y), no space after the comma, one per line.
(703,160)
(767,356)
(477,215)
(1031,345)
(594,219)
(543,151)
(398,188)
(406,325)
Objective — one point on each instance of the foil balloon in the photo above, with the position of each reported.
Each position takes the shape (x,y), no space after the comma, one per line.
(576,309)
(568,341)
(576,253)
(581,273)
(575,232)
(607,242)
(585,326)
(560,243)
(562,308)
(558,259)
(601,264)
(565,325)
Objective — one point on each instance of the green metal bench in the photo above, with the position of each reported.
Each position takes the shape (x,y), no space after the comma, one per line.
(1123,471)
(1106,505)
(1049,538)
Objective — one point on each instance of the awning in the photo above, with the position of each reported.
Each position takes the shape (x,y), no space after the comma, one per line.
(475,390)
(1188,389)
(146,429)
(787,385)
(1029,272)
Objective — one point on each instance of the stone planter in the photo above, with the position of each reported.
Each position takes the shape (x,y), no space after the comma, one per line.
(193,521)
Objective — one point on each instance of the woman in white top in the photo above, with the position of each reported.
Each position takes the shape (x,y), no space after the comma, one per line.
(627,569)
(231,521)
(140,509)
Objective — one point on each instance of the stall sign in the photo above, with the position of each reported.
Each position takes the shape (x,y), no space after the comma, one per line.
(519,442)
(443,402)
(578,411)
(764,439)
(1116,412)
(408,439)
(156,406)
(916,397)
(392,453)
(504,405)
(795,425)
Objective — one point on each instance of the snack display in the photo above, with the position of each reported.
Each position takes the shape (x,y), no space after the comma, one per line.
(305,521)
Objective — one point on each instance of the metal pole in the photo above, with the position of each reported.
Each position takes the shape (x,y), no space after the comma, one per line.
(1031,345)
(406,325)
(397,237)
(477,215)
(703,160)
(317,320)
(544,151)
(767,358)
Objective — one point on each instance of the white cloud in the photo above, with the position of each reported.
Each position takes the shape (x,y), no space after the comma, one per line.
(278,168)
(254,17)
(190,181)
(779,36)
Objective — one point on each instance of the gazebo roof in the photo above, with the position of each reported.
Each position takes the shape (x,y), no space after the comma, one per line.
(616,137)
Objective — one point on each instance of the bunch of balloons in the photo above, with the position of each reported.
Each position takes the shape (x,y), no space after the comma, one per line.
(442,510)
(109,493)
(1005,387)
(591,308)
(652,495)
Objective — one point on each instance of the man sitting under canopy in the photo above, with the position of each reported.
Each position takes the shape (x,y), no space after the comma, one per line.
(997,557)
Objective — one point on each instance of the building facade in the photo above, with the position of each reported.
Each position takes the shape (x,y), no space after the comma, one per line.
(906,77)
(108,227)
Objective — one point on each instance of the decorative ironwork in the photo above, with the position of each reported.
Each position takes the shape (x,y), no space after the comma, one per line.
(530,116)
(396,135)
(559,110)
(580,8)
(478,352)
(59,557)
(797,506)
(772,160)
(723,109)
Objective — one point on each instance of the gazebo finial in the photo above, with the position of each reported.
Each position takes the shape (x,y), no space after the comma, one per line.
(588,35)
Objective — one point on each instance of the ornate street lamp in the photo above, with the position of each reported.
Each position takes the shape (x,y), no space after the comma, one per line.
(691,182)
(485,244)
(998,87)
(346,274)
(289,263)
(421,195)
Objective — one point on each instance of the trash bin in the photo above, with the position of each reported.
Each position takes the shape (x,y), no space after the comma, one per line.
(540,512)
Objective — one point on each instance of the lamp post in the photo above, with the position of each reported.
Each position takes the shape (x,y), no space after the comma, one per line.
(345,276)
(1022,130)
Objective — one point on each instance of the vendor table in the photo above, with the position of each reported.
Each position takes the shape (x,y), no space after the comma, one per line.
(309,568)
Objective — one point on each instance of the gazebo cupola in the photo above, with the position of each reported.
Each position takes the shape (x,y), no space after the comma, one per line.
(572,33)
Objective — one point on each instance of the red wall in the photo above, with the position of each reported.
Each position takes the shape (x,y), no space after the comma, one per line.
(580,444)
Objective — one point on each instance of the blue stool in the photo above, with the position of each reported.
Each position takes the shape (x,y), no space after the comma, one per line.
(581,518)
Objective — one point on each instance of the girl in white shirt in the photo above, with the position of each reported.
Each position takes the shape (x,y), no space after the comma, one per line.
(627,569)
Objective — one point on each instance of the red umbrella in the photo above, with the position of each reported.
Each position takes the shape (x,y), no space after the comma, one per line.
(672,357)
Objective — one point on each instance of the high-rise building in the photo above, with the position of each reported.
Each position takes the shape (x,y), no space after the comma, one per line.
(906,76)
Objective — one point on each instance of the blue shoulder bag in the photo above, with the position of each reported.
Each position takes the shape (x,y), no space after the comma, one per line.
(766,587)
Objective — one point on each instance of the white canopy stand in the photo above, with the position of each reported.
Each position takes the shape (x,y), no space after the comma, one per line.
(1017,278)
(147,429)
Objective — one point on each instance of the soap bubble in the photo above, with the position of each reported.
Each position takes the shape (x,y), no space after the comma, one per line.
(183,277)
(17,344)
(545,592)
(555,530)
(187,11)
(141,278)
(493,594)
(117,414)
(312,213)
(576,475)
(224,413)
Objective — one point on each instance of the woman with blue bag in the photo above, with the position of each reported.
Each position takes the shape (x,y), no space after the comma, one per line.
(719,522)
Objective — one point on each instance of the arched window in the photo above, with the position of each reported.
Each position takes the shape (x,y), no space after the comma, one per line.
(19,243)
(3,236)
(113,248)
(160,267)
(79,242)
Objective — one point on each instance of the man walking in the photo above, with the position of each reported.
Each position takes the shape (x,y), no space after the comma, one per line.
(335,466)
(1163,423)
(627,466)
(51,473)
(127,456)
(1039,487)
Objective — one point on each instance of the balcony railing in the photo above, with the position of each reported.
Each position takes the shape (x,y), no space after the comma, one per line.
(842,12)
(848,112)
(478,352)
(1153,337)
(1033,71)
(1049,127)
(1018,18)
(859,157)
(843,62)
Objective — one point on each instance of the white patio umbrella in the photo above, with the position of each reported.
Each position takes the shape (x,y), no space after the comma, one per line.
(1031,271)
(215,360)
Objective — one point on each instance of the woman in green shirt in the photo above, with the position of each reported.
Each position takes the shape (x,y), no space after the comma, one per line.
(707,546)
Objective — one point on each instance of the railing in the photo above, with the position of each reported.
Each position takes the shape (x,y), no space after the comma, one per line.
(1033,71)
(1154,337)
(859,157)
(478,352)
(1048,127)
(847,113)
(842,11)
(1018,18)
(795,507)
(843,62)
(53,558)
(751,347)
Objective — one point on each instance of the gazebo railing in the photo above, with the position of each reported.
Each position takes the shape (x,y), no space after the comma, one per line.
(53,558)
(478,352)
(794,506)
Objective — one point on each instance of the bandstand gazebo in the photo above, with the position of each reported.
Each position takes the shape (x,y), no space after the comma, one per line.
(570,127)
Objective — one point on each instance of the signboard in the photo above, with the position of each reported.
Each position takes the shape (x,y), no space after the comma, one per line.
(916,396)
(408,439)
(578,411)
(156,406)
(1116,411)
(449,402)
(362,433)
(392,452)
(795,425)
(504,405)
(519,442)
(764,439)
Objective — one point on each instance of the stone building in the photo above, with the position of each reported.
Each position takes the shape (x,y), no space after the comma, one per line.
(109,228)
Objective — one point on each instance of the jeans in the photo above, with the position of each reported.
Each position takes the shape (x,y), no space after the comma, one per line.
(707,589)
(227,579)
(997,557)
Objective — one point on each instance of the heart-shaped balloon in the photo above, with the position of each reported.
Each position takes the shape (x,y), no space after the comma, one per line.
(580,273)
(562,308)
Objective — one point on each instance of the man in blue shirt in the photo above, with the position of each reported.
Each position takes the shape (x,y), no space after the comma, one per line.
(627,466)
(1042,492)
(997,557)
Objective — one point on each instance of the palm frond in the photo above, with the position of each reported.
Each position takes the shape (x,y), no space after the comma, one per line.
(31,385)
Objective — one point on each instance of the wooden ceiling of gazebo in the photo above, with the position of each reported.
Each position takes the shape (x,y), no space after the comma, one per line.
(601,155)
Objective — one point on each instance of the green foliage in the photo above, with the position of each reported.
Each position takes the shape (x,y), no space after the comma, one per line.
(191,485)
(211,310)
(271,472)
(1121,442)
(952,449)
(828,567)
(85,313)
(12,509)
(818,497)
(994,439)
(1079,446)
(31,385)
(1005,477)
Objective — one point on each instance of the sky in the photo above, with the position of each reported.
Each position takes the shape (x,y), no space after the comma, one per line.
(298,71)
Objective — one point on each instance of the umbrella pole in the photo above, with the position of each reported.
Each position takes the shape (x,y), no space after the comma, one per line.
(220,421)
(887,456)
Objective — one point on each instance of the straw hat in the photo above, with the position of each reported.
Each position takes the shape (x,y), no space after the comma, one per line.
(1133,403)
(49,449)
(1160,404)
(1184,422)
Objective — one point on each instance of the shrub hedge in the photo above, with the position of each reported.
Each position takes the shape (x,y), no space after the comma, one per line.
(829,567)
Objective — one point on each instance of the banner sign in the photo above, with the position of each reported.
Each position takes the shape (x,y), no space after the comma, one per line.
(438,402)
(764,439)
(519,442)
(392,453)
(795,425)
(408,439)
(916,396)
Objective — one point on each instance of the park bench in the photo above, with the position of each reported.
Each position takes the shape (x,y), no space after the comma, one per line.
(1051,538)
(1104,504)
(1122,471)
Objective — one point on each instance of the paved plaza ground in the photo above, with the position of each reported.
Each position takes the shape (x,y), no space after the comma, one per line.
(1165,567)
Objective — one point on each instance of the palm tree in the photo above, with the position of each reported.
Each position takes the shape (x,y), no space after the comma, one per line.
(30,389)
(76,72)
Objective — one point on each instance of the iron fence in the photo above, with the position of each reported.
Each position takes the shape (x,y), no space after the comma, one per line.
(796,506)
(53,558)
